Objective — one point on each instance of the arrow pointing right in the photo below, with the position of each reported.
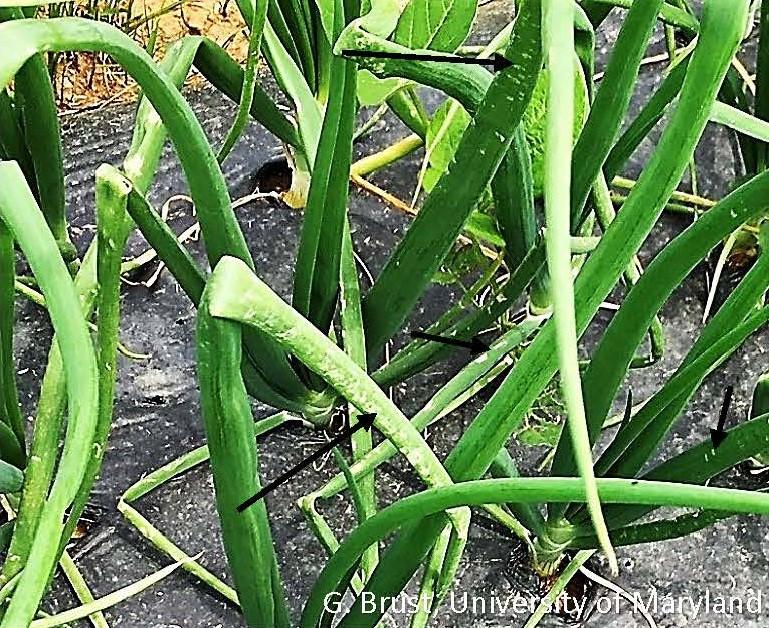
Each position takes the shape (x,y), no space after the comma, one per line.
(475,344)
(497,61)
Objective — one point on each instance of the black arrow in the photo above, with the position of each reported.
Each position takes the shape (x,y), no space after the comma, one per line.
(628,414)
(364,421)
(475,344)
(718,435)
(497,61)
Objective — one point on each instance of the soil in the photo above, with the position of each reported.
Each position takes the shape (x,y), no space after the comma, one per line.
(85,80)
(157,416)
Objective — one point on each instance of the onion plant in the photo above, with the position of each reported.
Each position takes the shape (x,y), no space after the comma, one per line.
(523,158)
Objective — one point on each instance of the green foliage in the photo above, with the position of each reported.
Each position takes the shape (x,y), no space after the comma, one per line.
(444,133)
(439,25)
(21,215)
(460,263)
(538,134)
(545,433)
(534,122)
